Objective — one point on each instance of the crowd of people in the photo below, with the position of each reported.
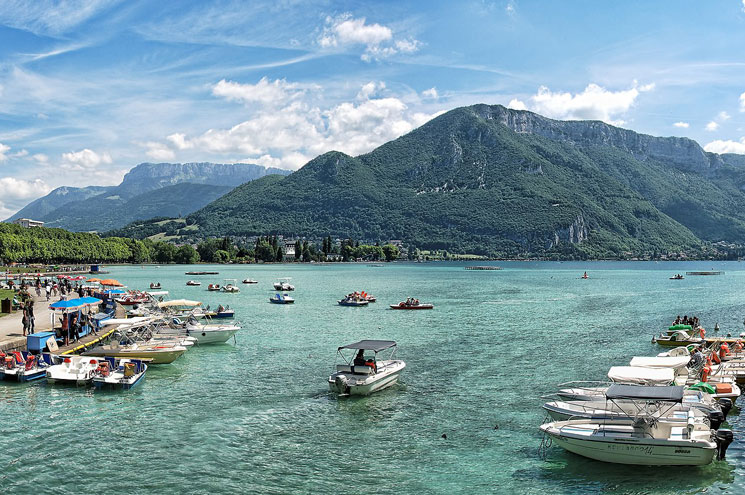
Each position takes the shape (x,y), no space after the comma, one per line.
(686,320)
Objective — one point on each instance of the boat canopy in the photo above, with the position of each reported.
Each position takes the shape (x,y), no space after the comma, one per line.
(639,392)
(70,304)
(126,321)
(157,292)
(370,345)
(641,376)
(673,362)
(178,302)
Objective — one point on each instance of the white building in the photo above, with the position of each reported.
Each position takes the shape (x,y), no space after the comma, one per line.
(27,222)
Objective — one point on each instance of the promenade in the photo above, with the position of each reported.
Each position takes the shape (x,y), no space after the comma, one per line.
(11,327)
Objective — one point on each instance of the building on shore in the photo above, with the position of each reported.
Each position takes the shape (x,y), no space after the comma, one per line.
(28,223)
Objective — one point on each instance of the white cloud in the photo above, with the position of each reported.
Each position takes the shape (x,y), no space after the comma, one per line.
(4,148)
(723,116)
(40,157)
(345,30)
(742,97)
(743,5)
(20,154)
(712,126)
(510,9)
(264,92)
(179,141)
(516,104)
(595,103)
(288,136)
(684,125)
(159,151)
(720,146)
(370,89)
(15,193)
(84,160)
(430,93)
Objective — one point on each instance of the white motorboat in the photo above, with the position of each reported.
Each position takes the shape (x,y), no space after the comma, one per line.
(283,284)
(360,375)
(76,370)
(250,281)
(621,408)
(281,299)
(119,373)
(642,439)
(192,329)
(230,286)
(24,366)
(194,282)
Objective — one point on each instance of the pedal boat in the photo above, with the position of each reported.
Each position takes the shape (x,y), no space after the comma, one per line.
(23,366)
(354,378)
(283,284)
(119,373)
(281,299)
(73,370)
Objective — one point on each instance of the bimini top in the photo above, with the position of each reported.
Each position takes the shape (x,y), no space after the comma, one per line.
(178,302)
(637,392)
(370,345)
(641,376)
(674,362)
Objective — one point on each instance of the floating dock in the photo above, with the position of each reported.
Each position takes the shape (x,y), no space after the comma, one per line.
(483,268)
(202,273)
(704,273)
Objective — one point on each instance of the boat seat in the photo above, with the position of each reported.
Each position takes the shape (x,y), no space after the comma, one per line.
(678,433)
(343,368)
(362,370)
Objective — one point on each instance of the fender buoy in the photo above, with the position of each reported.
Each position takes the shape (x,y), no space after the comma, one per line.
(705,374)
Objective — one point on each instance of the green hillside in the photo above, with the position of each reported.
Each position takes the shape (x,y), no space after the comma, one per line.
(466,183)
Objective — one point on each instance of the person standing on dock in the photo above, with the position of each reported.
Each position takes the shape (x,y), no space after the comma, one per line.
(30,315)
(66,329)
(24,320)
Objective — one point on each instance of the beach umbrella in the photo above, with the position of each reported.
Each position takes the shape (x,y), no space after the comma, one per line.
(112,283)
(79,277)
(92,280)
(66,305)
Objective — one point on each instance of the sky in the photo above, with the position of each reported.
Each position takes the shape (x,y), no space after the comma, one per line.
(89,89)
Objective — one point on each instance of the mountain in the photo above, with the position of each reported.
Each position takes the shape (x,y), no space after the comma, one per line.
(150,190)
(39,208)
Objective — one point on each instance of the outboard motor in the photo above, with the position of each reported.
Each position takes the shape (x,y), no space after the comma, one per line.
(716,418)
(723,439)
(342,385)
(726,405)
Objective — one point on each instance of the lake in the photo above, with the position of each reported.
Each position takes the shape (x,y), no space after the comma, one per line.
(256,415)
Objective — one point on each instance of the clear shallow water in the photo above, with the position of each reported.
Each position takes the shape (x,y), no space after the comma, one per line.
(256,416)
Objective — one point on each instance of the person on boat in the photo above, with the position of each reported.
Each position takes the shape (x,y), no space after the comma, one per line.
(677,321)
(584,275)
(65,329)
(220,308)
(371,363)
(359,360)
(697,358)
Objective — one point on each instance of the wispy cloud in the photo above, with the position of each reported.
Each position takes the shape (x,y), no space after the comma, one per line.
(682,125)
(48,17)
(378,40)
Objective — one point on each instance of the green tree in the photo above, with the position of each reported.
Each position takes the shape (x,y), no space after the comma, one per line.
(186,255)
(280,254)
(298,249)
(390,252)
(221,256)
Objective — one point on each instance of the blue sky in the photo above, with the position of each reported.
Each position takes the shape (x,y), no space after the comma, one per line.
(90,89)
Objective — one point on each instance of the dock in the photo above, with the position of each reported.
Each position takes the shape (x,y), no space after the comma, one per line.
(487,267)
(202,273)
(705,273)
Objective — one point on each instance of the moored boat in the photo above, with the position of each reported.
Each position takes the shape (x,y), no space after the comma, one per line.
(75,370)
(250,281)
(193,282)
(23,366)
(156,352)
(361,375)
(119,373)
(214,287)
(284,285)
(230,286)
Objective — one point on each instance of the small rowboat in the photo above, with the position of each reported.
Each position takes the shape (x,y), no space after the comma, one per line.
(403,305)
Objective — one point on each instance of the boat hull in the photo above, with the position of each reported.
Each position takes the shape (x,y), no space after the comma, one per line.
(404,307)
(154,357)
(119,384)
(212,336)
(635,451)
(371,384)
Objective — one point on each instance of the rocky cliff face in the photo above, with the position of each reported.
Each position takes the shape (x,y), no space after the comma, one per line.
(683,153)
(149,176)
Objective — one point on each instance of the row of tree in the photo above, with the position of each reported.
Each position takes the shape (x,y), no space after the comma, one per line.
(44,245)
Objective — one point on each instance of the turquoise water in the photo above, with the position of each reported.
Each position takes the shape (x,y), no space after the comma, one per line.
(256,416)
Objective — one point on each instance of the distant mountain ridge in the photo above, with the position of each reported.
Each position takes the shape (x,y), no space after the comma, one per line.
(148,190)
(500,181)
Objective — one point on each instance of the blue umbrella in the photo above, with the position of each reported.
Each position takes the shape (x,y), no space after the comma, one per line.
(71,304)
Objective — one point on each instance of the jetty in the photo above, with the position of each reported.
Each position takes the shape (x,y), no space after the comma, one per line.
(202,273)
(484,267)
(705,273)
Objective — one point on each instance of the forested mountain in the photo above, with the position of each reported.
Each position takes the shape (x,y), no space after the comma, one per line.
(148,190)
(487,179)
